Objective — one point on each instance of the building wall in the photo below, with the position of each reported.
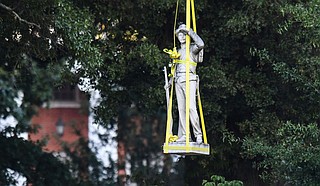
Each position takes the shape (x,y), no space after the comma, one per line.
(75,125)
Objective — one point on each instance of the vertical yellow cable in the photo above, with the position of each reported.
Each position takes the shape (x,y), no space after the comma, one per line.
(198,91)
(169,115)
(202,118)
(193,17)
(169,111)
(187,77)
(175,24)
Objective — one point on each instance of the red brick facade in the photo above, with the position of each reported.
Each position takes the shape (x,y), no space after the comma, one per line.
(73,119)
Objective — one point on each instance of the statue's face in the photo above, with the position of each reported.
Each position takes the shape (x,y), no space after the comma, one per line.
(182,37)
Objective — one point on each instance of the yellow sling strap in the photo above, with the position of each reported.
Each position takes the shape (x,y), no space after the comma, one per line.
(185,62)
(187,77)
(191,2)
(204,133)
(169,136)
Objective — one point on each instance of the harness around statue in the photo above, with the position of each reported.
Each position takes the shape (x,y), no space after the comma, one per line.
(171,146)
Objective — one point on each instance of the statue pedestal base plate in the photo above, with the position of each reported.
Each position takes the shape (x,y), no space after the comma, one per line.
(182,149)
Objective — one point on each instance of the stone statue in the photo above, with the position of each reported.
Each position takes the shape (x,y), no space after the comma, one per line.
(196,56)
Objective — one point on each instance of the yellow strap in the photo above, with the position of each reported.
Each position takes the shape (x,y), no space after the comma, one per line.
(204,133)
(172,53)
(205,140)
(193,17)
(172,138)
(166,148)
(187,77)
(175,24)
(185,62)
(169,115)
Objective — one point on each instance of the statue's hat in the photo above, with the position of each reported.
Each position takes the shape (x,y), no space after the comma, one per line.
(180,28)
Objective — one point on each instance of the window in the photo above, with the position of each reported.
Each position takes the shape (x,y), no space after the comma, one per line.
(66,96)
(66,93)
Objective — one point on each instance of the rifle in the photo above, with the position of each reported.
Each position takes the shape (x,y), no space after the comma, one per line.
(166,87)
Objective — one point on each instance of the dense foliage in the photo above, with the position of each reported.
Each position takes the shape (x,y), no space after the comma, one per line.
(220,181)
(35,44)
(260,71)
(259,77)
(291,156)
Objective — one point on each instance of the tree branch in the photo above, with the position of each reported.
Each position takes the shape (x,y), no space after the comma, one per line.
(16,16)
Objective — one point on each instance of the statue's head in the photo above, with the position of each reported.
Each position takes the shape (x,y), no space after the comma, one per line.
(182,28)
(181,33)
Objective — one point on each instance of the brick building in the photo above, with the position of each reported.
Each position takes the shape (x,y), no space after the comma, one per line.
(63,121)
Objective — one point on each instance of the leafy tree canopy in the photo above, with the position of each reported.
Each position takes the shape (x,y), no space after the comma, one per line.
(260,69)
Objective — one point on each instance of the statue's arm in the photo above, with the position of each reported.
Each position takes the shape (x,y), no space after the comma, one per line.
(199,44)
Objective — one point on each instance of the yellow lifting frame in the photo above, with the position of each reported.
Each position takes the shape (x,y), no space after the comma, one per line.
(188,149)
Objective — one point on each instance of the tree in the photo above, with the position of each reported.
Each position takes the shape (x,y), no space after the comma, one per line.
(292,156)
(260,69)
(40,42)
(30,161)
(261,60)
